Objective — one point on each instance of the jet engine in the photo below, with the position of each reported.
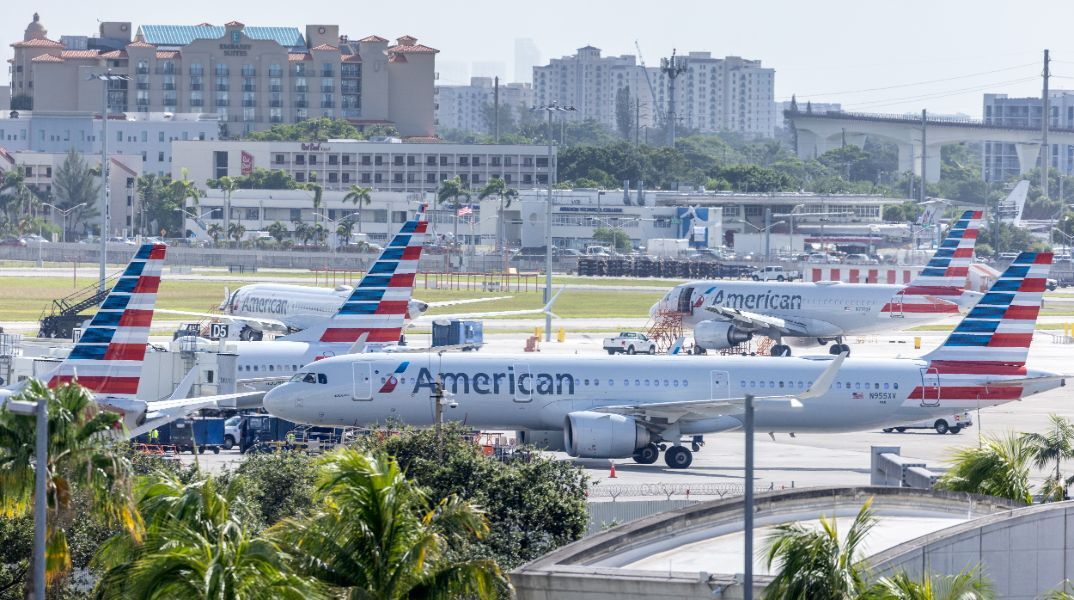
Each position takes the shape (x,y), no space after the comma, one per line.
(545,439)
(588,434)
(716,335)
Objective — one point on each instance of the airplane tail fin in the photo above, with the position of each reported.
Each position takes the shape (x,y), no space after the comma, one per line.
(945,274)
(108,357)
(226,302)
(999,329)
(377,306)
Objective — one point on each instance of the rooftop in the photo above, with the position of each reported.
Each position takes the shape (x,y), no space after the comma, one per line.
(181,35)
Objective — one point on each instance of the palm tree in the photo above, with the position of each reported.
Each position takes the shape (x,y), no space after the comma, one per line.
(814,564)
(215,231)
(452,189)
(1054,445)
(376,535)
(81,455)
(319,233)
(344,230)
(303,231)
(497,187)
(278,231)
(967,585)
(1000,467)
(235,231)
(227,185)
(196,546)
(359,196)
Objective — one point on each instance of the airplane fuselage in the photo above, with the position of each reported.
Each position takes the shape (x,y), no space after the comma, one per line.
(825,309)
(297,306)
(537,392)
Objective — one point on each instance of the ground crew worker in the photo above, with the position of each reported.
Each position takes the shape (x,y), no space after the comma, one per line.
(154,436)
(290,439)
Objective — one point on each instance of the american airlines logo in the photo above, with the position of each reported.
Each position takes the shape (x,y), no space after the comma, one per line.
(504,382)
(766,300)
(273,306)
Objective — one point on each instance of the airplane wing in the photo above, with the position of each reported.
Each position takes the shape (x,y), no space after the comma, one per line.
(444,303)
(271,324)
(756,322)
(547,308)
(163,412)
(688,410)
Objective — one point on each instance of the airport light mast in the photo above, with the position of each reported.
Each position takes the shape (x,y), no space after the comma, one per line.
(550,109)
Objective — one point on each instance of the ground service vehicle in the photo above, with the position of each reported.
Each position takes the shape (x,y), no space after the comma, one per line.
(953,424)
(188,434)
(629,342)
(774,273)
(265,433)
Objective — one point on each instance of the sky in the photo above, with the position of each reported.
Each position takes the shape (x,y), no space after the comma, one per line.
(870,56)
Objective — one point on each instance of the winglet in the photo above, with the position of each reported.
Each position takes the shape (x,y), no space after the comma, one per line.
(826,379)
(185,385)
(227,299)
(677,346)
(359,345)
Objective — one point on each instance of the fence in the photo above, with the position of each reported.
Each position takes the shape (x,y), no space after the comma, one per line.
(686,490)
(603,515)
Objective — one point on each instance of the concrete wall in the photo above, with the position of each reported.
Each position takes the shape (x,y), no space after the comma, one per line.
(1024,553)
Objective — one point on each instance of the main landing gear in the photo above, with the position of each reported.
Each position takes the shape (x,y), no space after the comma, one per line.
(676,457)
(837,348)
(780,349)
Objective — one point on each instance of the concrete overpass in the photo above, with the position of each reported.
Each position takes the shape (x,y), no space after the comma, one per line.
(819,132)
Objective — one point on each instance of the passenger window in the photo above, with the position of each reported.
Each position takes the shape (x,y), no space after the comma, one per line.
(885,386)
(857,386)
(742,383)
(646,383)
(753,384)
(780,384)
(685,383)
(611,382)
(637,382)
(322,378)
(272,367)
(876,386)
(675,382)
(586,381)
(665,383)
(895,385)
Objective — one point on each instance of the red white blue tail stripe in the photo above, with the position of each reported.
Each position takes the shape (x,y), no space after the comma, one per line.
(940,285)
(377,308)
(998,330)
(108,357)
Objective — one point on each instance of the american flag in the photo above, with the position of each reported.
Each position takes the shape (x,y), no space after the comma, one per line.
(857,396)
(465,210)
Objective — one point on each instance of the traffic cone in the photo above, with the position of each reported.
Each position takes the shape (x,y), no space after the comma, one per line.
(611,474)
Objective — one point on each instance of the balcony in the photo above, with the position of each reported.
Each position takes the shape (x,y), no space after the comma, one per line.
(249,87)
(327,89)
(249,103)
(302,89)
(302,104)
(276,119)
(275,88)
(220,102)
(143,85)
(197,87)
(164,71)
(327,73)
(221,87)
(198,102)
(168,87)
(142,70)
(142,102)
(247,72)
(327,104)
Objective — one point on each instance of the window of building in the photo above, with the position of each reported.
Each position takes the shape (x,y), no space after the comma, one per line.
(160,156)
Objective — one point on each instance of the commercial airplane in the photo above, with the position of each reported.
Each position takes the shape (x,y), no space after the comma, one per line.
(108,358)
(285,308)
(602,407)
(724,314)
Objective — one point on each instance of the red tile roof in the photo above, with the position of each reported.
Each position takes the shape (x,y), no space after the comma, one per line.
(38,43)
(351,58)
(413,49)
(372,38)
(234,24)
(80,54)
(397,58)
(324,48)
(299,57)
(168,54)
(140,44)
(47,58)
(115,54)
(406,40)
(115,161)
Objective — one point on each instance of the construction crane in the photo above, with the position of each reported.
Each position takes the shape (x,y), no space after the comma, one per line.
(652,89)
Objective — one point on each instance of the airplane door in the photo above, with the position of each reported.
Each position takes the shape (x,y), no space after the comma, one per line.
(523,383)
(930,387)
(719,385)
(363,381)
(684,304)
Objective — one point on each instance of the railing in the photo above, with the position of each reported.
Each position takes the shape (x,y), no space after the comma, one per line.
(688,490)
(911,118)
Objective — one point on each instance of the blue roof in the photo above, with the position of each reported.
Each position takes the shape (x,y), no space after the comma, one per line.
(181,35)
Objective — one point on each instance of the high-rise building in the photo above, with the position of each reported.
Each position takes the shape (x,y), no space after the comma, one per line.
(527,56)
(1001,158)
(590,82)
(721,94)
(251,77)
(711,95)
(470,107)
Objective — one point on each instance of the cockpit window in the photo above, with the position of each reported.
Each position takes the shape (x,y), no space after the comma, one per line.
(297,376)
(306,377)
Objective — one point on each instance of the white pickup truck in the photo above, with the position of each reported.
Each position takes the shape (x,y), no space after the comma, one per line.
(630,342)
(953,424)
(775,273)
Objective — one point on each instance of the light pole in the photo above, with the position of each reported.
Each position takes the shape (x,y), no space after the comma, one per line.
(40,410)
(766,230)
(63,216)
(747,584)
(1068,237)
(106,80)
(550,109)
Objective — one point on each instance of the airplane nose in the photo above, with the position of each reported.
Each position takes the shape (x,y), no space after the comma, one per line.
(279,401)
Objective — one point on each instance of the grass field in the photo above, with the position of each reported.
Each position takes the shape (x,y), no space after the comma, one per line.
(24,298)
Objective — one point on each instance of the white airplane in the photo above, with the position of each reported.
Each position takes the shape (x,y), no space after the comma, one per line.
(601,407)
(285,308)
(724,314)
(108,358)
(1010,210)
